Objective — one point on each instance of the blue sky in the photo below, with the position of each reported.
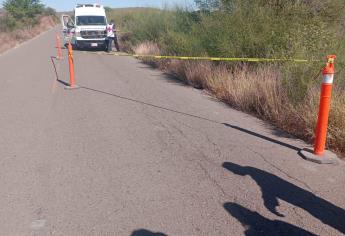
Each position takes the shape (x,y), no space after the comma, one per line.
(63,5)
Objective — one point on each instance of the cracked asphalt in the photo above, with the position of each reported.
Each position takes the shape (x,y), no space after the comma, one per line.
(135,152)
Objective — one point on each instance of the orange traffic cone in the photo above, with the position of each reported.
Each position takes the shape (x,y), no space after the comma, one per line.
(325,102)
(319,155)
(71,68)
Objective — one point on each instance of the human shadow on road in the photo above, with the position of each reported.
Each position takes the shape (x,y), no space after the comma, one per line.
(144,232)
(274,188)
(257,225)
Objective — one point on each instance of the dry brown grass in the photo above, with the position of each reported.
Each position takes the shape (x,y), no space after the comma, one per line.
(259,91)
(10,40)
(337,122)
(147,48)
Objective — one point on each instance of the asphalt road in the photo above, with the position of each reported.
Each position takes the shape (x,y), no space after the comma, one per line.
(135,152)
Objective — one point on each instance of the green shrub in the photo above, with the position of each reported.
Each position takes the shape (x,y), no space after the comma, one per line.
(7,23)
(246,28)
(23,9)
(23,12)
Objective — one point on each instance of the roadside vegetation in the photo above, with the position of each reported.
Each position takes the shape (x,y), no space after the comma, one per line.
(286,93)
(23,19)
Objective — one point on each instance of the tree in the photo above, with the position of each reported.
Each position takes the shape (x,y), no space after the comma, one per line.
(23,10)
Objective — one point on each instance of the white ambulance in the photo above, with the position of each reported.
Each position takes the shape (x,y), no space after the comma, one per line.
(88,28)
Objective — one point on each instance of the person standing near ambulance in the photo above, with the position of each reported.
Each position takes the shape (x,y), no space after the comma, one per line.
(111,35)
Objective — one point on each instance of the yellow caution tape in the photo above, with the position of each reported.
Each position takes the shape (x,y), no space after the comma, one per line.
(223,58)
(242,59)
(108,53)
